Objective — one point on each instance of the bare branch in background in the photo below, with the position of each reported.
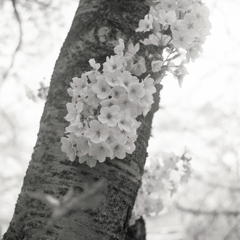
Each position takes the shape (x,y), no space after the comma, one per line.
(8,120)
(231,230)
(207,212)
(17,16)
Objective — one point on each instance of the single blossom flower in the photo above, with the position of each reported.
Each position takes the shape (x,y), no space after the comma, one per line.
(126,122)
(119,150)
(74,111)
(92,76)
(117,92)
(183,5)
(112,78)
(101,88)
(139,67)
(177,25)
(90,160)
(79,86)
(120,135)
(110,138)
(200,11)
(168,5)
(77,129)
(110,116)
(192,24)
(130,144)
(97,132)
(132,50)
(68,146)
(92,98)
(193,51)
(135,92)
(151,40)
(93,64)
(101,151)
(109,102)
(156,65)
(147,99)
(114,63)
(118,50)
(125,104)
(126,78)
(145,24)
(181,39)
(83,146)
(167,18)
(148,84)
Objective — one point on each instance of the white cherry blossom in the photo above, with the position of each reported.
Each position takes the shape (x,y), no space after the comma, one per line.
(125,122)
(69,148)
(148,84)
(97,132)
(119,150)
(168,5)
(125,104)
(110,116)
(74,111)
(93,64)
(100,151)
(92,98)
(135,92)
(167,18)
(145,24)
(156,65)
(109,102)
(117,91)
(101,88)
(182,39)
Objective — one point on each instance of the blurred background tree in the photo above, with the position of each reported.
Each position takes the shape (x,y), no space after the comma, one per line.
(203,115)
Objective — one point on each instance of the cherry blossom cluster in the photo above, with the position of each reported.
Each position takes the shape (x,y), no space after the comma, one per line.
(178,26)
(104,107)
(159,178)
(107,99)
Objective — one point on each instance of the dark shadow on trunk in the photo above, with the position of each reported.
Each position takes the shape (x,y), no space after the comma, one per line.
(136,231)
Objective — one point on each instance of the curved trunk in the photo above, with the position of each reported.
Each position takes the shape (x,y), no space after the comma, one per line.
(95,29)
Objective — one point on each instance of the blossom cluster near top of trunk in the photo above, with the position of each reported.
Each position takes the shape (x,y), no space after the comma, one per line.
(180,23)
(104,107)
(107,99)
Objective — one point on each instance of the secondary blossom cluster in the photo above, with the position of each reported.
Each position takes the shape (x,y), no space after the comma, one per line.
(104,107)
(179,26)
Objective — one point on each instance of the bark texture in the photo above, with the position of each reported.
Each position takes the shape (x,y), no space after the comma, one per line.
(96,27)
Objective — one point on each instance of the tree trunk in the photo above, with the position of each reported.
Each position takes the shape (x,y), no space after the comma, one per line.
(96,27)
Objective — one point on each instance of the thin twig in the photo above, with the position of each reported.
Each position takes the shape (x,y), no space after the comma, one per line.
(231,229)
(17,16)
(207,212)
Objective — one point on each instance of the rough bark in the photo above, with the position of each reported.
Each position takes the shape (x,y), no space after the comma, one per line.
(95,29)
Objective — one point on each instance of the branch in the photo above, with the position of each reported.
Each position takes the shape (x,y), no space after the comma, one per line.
(17,16)
(231,229)
(207,212)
